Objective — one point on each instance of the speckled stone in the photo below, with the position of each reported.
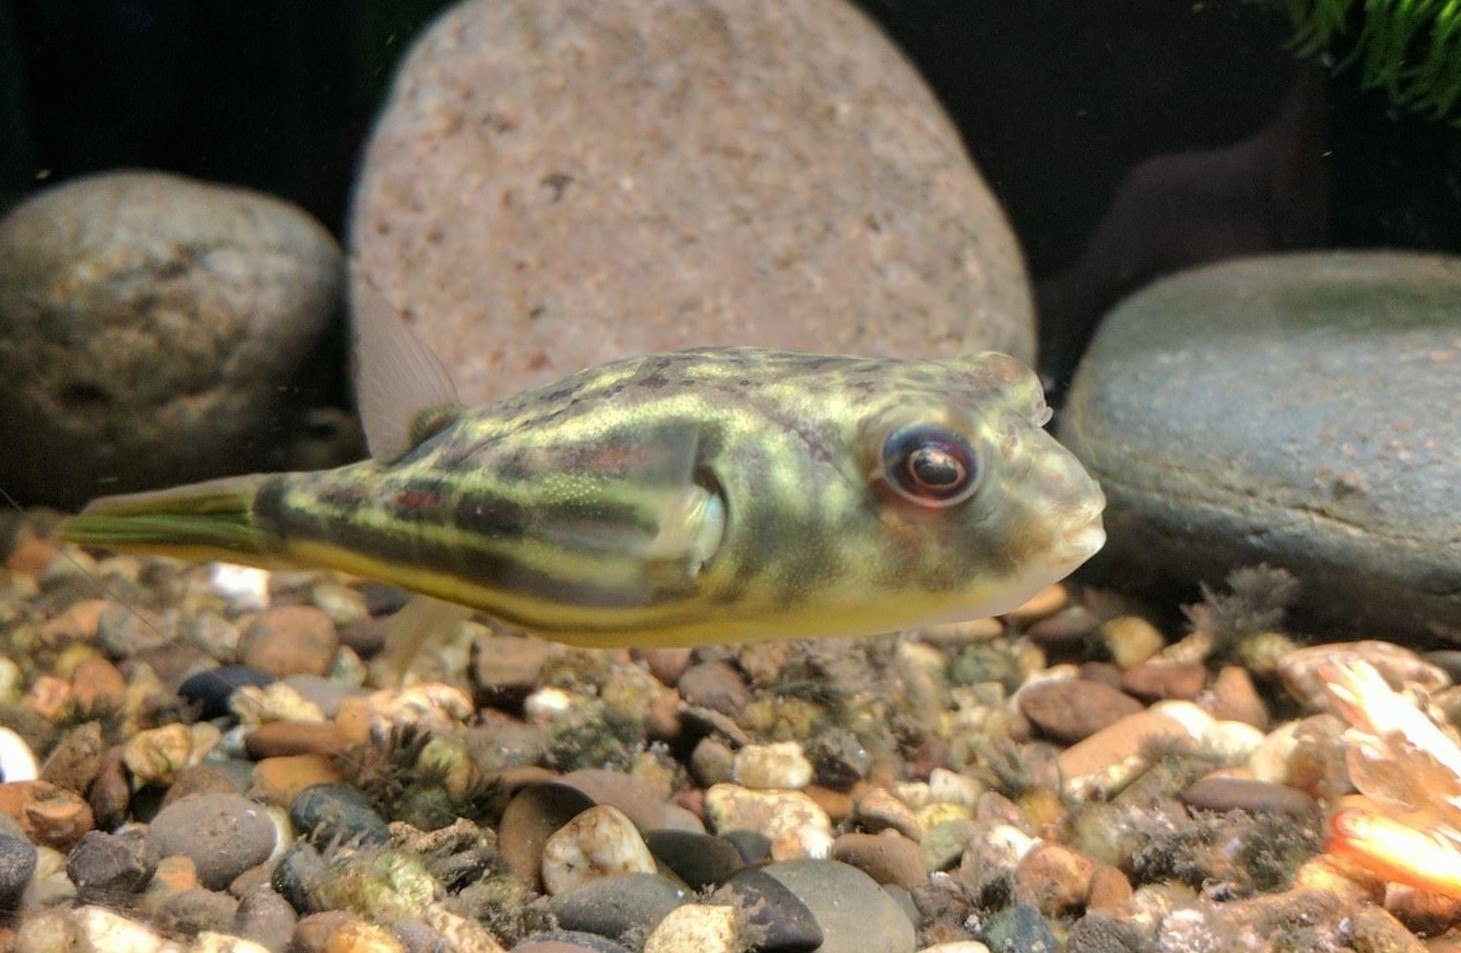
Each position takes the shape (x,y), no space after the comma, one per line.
(848,905)
(223,834)
(1296,410)
(698,859)
(150,329)
(612,905)
(331,812)
(713,206)
(600,842)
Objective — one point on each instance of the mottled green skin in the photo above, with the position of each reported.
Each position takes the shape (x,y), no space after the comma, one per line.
(539,508)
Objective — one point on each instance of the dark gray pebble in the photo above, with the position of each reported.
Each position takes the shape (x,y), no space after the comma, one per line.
(782,922)
(332,813)
(610,906)
(1098,934)
(701,860)
(223,834)
(1019,929)
(755,847)
(265,917)
(17,866)
(382,598)
(212,689)
(106,865)
(296,875)
(1247,794)
(567,941)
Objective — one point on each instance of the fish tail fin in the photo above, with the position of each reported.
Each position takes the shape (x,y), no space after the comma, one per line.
(213,520)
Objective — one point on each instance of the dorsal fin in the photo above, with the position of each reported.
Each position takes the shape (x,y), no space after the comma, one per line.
(397,377)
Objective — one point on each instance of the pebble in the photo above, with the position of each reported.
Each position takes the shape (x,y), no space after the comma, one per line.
(773,912)
(290,640)
(848,905)
(190,912)
(1019,928)
(888,858)
(1156,681)
(1071,710)
(1235,698)
(297,875)
(157,755)
(596,843)
(729,807)
(1131,640)
(696,928)
(957,946)
(278,701)
(154,327)
(780,766)
(1109,889)
(209,941)
(613,905)
(567,941)
(48,815)
(1352,488)
(683,210)
(505,668)
(280,780)
(97,686)
(213,689)
(1043,604)
(700,860)
(1398,665)
(266,918)
(17,761)
(1255,797)
(333,813)
(18,858)
(1054,879)
(715,685)
(223,835)
(294,738)
(110,795)
(1111,756)
(99,930)
(106,866)
(878,808)
(359,936)
(533,815)
(643,804)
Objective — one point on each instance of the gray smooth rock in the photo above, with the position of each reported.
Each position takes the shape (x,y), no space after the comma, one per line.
(223,834)
(1298,410)
(855,914)
(555,183)
(151,330)
(611,906)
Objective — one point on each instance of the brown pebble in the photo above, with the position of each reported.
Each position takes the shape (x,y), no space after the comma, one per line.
(878,808)
(111,792)
(1246,794)
(278,780)
(203,778)
(290,640)
(505,668)
(665,664)
(1042,604)
(312,931)
(1086,764)
(174,874)
(1103,672)
(1235,698)
(1054,879)
(48,697)
(1072,709)
(47,814)
(1154,681)
(78,623)
(365,637)
(715,685)
(888,858)
(97,686)
(277,738)
(74,763)
(1131,640)
(31,554)
(1109,888)
(250,880)
(838,804)
(1065,627)
(1398,665)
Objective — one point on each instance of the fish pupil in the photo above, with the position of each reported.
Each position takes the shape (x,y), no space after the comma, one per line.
(935,468)
(930,466)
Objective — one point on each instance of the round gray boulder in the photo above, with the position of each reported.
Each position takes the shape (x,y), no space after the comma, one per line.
(1300,410)
(151,328)
(556,183)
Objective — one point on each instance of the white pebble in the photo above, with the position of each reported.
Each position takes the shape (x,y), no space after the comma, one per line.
(780,766)
(730,807)
(1233,741)
(17,761)
(245,587)
(102,931)
(600,842)
(696,928)
(210,942)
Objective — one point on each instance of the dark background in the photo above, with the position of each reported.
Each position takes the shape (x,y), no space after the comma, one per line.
(1126,138)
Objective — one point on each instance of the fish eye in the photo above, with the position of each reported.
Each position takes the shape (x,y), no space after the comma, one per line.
(930,466)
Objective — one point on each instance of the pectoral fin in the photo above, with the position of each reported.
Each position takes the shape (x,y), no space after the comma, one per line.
(421,621)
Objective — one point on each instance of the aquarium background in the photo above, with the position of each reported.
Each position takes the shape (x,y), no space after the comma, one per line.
(1061,103)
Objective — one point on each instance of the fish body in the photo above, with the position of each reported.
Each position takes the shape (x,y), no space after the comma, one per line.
(702,496)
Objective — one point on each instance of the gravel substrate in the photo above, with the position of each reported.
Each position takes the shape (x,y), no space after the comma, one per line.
(200,758)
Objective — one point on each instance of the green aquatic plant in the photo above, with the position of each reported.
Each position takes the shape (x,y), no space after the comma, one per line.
(1409,48)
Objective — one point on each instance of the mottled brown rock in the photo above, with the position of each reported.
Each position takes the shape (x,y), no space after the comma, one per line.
(505,668)
(758,173)
(47,814)
(1398,665)
(1155,681)
(1053,878)
(1235,698)
(290,640)
(152,330)
(1107,890)
(888,858)
(97,686)
(75,762)
(111,791)
(1072,709)
(1255,797)
(715,685)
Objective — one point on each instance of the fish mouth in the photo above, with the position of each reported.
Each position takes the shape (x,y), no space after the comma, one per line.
(1084,535)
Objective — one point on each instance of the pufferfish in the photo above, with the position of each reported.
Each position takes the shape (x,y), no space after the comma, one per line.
(712,495)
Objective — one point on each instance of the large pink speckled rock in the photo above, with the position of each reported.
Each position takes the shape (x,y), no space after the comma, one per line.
(556,183)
